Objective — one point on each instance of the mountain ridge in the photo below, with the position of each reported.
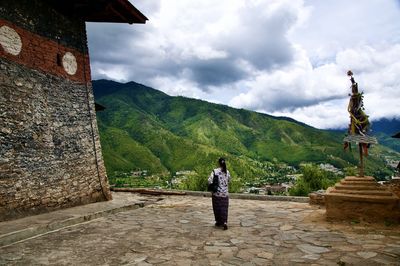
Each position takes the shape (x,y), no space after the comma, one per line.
(102,84)
(178,133)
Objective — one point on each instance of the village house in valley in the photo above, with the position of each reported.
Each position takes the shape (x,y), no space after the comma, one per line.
(50,154)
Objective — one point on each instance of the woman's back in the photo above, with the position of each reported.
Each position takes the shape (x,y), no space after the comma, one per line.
(223,181)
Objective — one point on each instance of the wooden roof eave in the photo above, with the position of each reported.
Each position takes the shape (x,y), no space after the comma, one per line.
(396,135)
(116,11)
(119,11)
(126,5)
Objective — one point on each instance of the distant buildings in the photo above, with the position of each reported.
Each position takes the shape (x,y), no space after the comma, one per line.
(274,189)
(330,168)
(139,173)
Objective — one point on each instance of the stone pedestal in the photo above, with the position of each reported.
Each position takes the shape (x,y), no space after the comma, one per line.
(361,198)
(317,198)
(394,186)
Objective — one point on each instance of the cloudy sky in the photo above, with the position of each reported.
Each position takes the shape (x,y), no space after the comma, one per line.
(281,57)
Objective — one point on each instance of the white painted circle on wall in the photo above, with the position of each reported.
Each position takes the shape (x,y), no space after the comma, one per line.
(69,63)
(10,40)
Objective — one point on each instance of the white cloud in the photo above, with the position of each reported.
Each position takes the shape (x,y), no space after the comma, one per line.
(298,84)
(331,114)
(317,95)
(283,57)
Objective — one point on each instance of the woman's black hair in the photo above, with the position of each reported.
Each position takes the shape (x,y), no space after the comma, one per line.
(222,164)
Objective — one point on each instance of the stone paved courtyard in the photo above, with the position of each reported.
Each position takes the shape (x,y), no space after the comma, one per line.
(179,230)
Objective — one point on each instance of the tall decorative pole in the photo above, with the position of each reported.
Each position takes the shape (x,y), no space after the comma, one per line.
(359,124)
(360,197)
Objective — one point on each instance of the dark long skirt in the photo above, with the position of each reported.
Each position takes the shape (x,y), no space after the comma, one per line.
(220,208)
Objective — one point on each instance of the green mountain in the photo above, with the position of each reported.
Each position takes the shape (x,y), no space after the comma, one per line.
(384,129)
(142,128)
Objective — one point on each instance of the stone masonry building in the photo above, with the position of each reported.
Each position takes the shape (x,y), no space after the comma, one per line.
(50,154)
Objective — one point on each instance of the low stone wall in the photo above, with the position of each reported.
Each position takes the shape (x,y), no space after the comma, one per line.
(208,194)
(317,198)
(394,186)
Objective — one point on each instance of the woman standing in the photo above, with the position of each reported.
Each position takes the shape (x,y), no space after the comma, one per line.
(220,198)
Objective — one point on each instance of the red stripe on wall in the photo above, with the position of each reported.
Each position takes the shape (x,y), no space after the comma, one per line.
(40,53)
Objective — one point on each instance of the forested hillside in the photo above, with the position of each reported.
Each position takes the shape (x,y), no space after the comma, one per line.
(145,129)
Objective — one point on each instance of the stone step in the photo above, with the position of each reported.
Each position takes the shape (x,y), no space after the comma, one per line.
(362,183)
(361,179)
(362,198)
(364,192)
(358,187)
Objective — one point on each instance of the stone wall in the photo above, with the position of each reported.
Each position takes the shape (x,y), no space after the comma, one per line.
(50,154)
(394,186)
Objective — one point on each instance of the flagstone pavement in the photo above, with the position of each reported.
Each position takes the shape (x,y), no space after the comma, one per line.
(179,230)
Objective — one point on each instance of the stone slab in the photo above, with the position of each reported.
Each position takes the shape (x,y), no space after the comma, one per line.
(24,228)
(155,235)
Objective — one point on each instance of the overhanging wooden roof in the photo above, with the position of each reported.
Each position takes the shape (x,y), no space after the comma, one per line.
(118,11)
(98,107)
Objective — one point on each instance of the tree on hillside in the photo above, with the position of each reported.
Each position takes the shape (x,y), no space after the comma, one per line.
(313,178)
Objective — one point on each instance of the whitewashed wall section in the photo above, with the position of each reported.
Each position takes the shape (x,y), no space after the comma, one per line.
(10,40)
(69,63)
